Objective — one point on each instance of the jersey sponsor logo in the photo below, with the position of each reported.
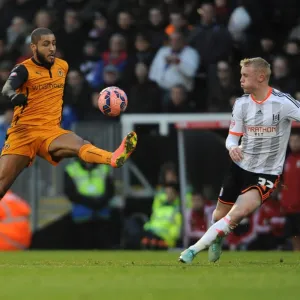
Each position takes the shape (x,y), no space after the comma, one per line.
(261,131)
(48,86)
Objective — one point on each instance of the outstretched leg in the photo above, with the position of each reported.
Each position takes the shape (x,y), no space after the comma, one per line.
(11,165)
(245,205)
(71,145)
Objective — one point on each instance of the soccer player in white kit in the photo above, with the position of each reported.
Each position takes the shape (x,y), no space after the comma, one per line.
(262,117)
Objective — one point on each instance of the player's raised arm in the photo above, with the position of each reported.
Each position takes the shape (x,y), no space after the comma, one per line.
(16,79)
(235,132)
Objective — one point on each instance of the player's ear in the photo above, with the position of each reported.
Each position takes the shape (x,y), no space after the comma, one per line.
(33,47)
(261,77)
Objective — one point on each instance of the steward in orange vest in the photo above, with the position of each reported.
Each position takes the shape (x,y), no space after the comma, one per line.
(15,231)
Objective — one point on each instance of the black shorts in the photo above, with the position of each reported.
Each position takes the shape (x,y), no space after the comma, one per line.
(292,225)
(238,181)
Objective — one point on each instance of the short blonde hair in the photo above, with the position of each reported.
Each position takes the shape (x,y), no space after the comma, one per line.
(258,63)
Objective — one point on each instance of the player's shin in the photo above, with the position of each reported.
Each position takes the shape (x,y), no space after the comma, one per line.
(92,154)
(218,229)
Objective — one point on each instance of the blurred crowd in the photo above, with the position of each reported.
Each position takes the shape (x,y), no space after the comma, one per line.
(168,55)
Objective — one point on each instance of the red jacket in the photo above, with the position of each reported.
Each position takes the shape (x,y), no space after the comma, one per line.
(270,219)
(290,195)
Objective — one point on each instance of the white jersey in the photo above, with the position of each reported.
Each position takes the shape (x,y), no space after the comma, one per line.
(265,129)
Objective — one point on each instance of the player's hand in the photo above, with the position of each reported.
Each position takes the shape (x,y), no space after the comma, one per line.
(236,153)
(19,100)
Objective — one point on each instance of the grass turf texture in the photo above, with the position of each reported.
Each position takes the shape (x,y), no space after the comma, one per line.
(148,275)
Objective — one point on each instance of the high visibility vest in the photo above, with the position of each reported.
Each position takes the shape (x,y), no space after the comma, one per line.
(158,197)
(88,183)
(15,230)
(165,220)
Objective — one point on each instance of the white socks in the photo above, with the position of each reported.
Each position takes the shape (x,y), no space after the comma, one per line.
(220,228)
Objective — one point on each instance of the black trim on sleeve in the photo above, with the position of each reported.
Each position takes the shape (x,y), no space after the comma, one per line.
(18,76)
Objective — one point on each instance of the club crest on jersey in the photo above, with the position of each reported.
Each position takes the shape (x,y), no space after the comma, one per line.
(276,118)
(60,73)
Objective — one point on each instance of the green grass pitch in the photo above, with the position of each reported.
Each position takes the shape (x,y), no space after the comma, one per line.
(148,276)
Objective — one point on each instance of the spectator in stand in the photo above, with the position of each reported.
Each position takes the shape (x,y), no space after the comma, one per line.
(221,87)
(143,53)
(292,52)
(16,35)
(90,59)
(270,226)
(212,41)
(156,28)
(71,38)
(290,194)
(151,100)
(44,18)
(116,55)
(177,101)
(175,64)
(126,27)
(178,22)
(77,93)
(101,31)
(281,77)
(198,217)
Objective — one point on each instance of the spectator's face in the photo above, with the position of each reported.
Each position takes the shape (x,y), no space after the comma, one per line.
(177,20)
(223,70)
(170,176)
(220,3)
(155,17)
(267,44)
(71,20)
(100,23)
(295,143)
(171,194)
(141,71)
(176,41)
(280,68)
(110,78)
(141,44)
(207,13)
(292,49)
(18,25)
(178,95)
(43,19)
(124,20)
(197,201)
(74,79)
(89,50)
(116,44)
(45,49)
